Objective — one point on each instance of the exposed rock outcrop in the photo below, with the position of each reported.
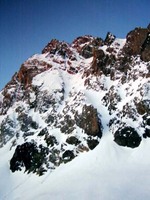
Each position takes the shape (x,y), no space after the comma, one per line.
(127,136)
(109,38)
(88,49)
(145,52)
(138,43)
(30,156)
(60,48)
(89,121)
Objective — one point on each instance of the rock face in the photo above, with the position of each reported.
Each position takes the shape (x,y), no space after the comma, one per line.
(57,47)
(89,121)
(102,62)
(109,38)
(88,49)
(63,101)
(138,43)
(145,54)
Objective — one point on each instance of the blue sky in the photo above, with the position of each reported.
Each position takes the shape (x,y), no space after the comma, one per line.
(26,26)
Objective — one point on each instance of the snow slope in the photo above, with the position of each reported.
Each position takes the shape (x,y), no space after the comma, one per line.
(108,172)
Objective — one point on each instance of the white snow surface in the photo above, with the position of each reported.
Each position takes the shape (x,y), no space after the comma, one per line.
(109,172)
(49,80)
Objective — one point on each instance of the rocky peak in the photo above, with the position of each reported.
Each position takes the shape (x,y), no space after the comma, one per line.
(52,46)
(82,40)
(87,50)
(56,47)
(85,45)
(61,102)
(135,41)
(109,38)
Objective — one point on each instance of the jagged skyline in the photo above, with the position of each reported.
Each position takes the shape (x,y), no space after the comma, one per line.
(27,26)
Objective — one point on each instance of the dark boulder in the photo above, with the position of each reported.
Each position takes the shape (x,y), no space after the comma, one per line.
(44,131)
(68,156)
(50,140)
(147,133)
(143,106)
(73,140)
(148,121)
(31,157)
(92,143)
(127,136)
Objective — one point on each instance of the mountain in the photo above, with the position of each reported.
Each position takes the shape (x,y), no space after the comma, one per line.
(74,121)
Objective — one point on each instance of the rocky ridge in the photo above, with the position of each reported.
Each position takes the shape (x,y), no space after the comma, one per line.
(62,101)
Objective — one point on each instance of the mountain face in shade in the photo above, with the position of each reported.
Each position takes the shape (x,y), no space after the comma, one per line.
(64,102)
